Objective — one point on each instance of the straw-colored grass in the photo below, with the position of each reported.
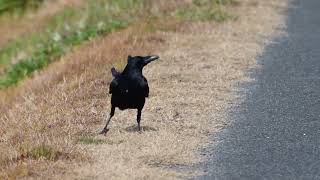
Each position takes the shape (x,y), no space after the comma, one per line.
(49,130)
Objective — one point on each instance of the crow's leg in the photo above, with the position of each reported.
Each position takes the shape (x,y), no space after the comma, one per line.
(139,118)
(105,129)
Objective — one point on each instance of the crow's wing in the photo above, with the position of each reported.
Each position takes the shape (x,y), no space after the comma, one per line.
(144,87)
(114,72)
(114,86)
(119,85)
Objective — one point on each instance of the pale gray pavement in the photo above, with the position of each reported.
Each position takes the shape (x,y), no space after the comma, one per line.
(275,132)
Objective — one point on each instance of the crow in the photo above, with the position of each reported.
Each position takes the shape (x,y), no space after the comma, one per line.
(130,88)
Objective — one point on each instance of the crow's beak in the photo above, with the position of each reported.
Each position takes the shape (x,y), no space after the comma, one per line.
(150,59)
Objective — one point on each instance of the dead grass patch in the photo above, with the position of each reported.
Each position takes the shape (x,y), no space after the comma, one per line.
(191,88)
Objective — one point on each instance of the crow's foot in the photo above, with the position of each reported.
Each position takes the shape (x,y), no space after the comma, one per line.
(104,131)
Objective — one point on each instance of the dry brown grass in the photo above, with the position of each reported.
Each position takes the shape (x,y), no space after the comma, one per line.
(191,87)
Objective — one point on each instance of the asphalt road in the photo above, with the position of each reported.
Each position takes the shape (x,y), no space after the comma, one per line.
(275,132)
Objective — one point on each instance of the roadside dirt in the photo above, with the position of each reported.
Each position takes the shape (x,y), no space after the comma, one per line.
(191,87)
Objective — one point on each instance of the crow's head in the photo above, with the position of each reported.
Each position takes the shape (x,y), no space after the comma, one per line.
(140,61)
(134,63)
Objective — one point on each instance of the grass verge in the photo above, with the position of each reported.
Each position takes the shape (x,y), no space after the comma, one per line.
(73,26)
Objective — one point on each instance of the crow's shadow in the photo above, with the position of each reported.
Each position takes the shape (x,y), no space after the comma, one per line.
(134,128)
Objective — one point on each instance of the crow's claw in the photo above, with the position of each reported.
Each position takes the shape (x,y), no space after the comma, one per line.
(104,131)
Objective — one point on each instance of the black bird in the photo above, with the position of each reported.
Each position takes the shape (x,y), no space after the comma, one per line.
(129,88)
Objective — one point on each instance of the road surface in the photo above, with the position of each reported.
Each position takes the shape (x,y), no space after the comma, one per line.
(275,132)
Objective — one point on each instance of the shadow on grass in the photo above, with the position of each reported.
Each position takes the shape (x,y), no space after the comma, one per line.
(134,128)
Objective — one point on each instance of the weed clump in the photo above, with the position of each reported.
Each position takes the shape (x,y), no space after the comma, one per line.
(45,152)
(90,140)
